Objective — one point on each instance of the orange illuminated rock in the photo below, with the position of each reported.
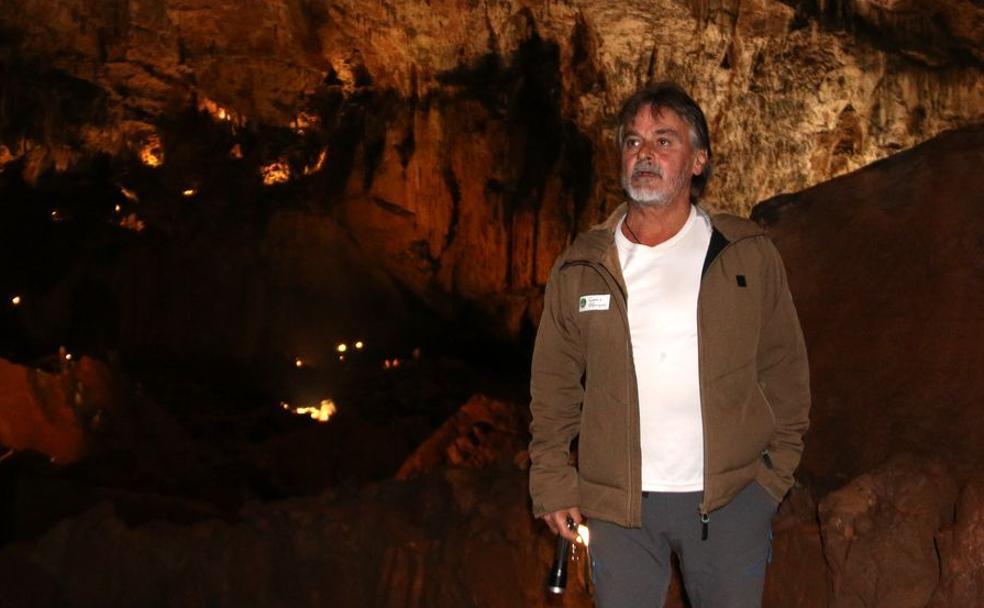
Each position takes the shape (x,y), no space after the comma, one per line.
(50,413)
(36,413)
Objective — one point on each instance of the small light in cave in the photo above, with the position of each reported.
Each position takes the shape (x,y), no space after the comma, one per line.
(341,357)
(359,345)
(117,208)
(190,192)
(152,152)
(391,363)
(342,347)
(55,216)
(583,535)
(322,412)
(236,152)
(275,173)
(298,363)
(68,356)
(16,300)
(310,169)
(129,194)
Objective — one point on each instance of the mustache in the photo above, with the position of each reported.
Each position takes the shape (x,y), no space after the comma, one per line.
(646,167)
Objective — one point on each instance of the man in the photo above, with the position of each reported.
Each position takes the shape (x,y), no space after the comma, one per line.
(669,345)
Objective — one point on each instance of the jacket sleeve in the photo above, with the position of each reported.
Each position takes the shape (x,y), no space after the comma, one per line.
(784,376)
(557,394)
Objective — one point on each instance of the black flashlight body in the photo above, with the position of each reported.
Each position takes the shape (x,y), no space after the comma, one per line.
(557,580)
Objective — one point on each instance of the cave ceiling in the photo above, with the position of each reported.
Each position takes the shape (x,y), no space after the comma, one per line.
(796,91)
(432,130)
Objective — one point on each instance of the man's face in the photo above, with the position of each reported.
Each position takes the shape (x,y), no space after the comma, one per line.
(658,158)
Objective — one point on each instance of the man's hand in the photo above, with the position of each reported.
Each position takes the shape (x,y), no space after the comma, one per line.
(557,522)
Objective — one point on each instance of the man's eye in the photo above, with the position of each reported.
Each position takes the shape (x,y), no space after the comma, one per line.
(631,143)
(664,141)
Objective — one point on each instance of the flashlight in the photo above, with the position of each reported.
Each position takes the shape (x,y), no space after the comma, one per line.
(557,579)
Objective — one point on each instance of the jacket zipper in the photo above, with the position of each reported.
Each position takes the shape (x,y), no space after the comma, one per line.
(702,512)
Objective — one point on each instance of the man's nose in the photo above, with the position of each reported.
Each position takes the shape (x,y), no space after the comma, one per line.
(646,151)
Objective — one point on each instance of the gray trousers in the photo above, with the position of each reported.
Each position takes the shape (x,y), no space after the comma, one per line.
(631,566)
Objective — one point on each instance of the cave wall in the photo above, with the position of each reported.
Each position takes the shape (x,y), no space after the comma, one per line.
(460,145)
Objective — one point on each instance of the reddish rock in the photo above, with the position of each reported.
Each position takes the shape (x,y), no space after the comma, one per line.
(51,412)
(483,433)
(961,548)
(887,269)
(459,539)
(798,575)
(878,534)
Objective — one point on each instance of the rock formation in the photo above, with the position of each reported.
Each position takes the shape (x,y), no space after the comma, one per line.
(961,547)
(257,181)
(885,268)
(53,413)
(878,534)
(462,145)
(484,432)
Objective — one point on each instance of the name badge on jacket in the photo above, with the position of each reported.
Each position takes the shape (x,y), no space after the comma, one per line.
(595,302)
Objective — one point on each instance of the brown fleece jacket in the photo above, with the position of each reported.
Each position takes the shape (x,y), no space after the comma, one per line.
(754,378)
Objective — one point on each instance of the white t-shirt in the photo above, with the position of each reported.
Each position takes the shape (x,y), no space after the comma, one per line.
(663,283)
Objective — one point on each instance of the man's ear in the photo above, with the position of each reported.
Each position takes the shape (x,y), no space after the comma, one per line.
(700,159)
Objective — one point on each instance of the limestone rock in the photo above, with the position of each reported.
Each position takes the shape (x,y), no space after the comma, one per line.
(961,548)
(463,147)
(933,33)
(878,534)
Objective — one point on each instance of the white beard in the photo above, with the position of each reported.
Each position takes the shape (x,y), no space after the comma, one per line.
(654,197)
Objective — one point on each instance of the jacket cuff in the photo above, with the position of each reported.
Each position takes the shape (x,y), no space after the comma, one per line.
(557,496)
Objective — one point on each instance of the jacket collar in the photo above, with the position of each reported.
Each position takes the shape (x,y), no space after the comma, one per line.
(598,243)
